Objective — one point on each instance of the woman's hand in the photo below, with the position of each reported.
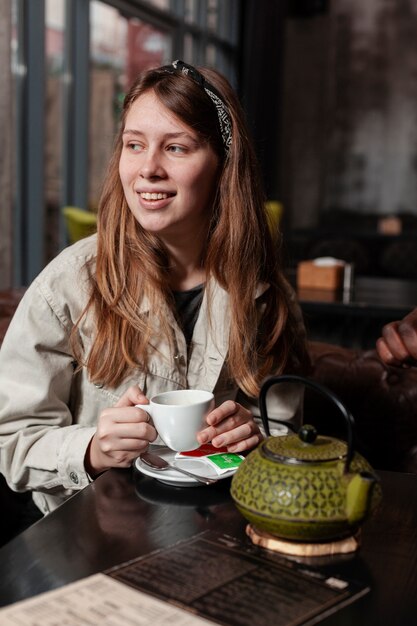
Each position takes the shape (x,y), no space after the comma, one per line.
(123,432)
(231,426)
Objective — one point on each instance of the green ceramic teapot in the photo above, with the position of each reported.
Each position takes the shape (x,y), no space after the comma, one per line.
(304,486)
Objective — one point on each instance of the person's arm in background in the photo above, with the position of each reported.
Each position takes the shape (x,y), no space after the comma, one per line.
(398,344)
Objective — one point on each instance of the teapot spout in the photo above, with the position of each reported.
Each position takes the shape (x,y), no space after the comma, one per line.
(358,497)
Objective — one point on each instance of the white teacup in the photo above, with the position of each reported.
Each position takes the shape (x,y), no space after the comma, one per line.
(179,415)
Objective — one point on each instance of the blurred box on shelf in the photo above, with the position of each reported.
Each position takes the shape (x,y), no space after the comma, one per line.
(323,273)
(389,225)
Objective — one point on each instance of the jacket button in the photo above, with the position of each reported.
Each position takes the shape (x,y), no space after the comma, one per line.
(74,477)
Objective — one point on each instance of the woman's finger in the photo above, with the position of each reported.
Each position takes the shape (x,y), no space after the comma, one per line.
(246,444)
(133,395)
(129,415)
(213,432)
(226,409)
(384,352)
(143,430)
(235,435)
(408,335)
(394,341)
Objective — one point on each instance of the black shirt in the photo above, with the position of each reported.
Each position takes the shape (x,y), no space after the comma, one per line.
(187,304)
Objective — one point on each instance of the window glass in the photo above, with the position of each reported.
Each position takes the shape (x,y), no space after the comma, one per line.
(121,48)
(212,15)
(211,55)
(189,54)
(54,54)
(161,4)
(13,37)
(190,11)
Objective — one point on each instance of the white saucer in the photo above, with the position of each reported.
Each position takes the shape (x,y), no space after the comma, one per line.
(176,479)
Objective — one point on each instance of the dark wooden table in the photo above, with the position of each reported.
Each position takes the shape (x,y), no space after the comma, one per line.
(123,515)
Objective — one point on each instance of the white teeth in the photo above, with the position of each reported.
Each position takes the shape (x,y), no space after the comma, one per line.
(153,196)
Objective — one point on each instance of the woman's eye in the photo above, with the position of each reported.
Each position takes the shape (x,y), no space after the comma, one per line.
(134,147)
(177,149)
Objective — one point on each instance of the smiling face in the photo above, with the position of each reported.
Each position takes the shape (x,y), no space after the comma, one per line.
(169,175)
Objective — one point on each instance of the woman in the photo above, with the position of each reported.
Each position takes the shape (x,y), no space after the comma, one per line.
(181,287)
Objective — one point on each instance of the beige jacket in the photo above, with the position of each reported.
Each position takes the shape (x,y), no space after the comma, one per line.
(48,413)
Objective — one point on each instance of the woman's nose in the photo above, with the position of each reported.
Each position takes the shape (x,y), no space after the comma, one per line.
(151,166)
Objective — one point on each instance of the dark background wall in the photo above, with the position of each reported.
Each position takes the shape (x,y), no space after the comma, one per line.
(261,80)
(331,94)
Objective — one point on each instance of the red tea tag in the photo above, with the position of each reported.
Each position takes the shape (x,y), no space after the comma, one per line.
(203,450)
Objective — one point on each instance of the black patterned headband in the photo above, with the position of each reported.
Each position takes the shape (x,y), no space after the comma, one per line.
(223,115)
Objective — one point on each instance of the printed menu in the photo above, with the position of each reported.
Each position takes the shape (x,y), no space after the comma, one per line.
(96,601)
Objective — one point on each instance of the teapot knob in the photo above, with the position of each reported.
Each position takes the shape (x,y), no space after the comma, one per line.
(307,433)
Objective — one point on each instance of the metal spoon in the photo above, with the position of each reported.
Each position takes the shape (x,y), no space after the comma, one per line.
(158,463)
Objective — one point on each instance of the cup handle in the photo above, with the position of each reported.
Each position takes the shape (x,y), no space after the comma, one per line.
(148,409)
(145,407)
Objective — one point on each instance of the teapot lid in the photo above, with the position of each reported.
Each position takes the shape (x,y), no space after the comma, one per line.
(304,447)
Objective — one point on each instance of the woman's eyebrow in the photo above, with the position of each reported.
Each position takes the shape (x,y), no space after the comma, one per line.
(177,135)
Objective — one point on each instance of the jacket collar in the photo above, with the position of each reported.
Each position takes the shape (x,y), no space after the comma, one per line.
(216,290)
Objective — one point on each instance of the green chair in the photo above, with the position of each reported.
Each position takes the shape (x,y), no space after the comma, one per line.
(79,223)
(274,210)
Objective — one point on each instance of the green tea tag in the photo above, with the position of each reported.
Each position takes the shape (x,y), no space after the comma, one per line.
(224,462)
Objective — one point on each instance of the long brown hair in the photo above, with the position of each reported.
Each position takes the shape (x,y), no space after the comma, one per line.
(132,264)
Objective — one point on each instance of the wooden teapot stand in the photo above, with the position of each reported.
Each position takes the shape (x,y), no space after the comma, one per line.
(294,548)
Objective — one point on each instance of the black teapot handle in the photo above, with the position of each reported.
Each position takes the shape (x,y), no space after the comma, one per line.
(292,378)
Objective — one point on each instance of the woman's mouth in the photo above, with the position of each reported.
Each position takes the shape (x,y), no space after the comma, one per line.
(146,195)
